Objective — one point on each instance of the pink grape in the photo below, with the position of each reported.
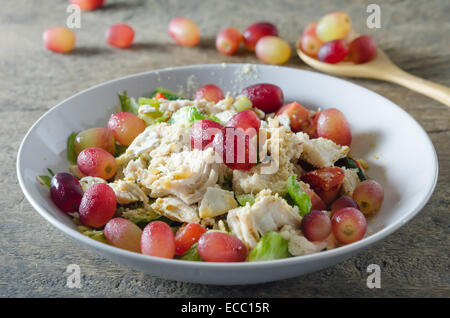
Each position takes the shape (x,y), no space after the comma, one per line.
(221,247)
(59,39)
(333,52)
(96,162)
(362,49)
(333,26)
(348,225)
(210,92)
(228,40)
(233,145)
(273,50)
(256,31)
(66,192)
(158,240)
(332,124)
(125,127)
(202,133)
(95,137)
(88,4)
(98,205)
(369,196)
(124,234)
(120,35)
(266,97)
(310,43)
(316,225)
(343,202)
(184,31)
(247,121)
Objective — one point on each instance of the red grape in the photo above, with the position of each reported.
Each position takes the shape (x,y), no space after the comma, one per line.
(158,240)
(228,40)
(298,115)
(96,162)
(66,192)
(124,234)
(267,97)
(210,92)
(273,50)
(98,205)
(120,35)
(184,31)
(332,124)
(59,39)
(310,43)
(95,137)
(369,196)
(316,225)
(88,4)
(221,247)
(202,133)
(186,236)
(362,49)
(348,225)
(333,52)
(125,127)
(256,31)
(247,121)
(343,202)
(235,148)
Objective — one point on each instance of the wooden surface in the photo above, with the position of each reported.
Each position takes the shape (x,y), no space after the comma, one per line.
(33,255)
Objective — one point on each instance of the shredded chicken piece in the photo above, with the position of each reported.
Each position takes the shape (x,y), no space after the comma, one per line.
(128,192)
(185,175)
(176,210)
(298,244)
(268,213)
(86,182)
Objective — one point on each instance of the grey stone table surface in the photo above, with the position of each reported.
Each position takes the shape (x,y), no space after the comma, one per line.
(33,255)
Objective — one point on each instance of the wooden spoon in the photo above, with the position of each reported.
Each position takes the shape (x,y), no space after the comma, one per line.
(382,68)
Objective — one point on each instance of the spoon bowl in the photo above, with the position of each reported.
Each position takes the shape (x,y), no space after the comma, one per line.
(381,68)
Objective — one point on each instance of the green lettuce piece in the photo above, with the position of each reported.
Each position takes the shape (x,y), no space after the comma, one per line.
(243,199)
(271,246)
(242,103)
(186,116)
(44,180)
(93,234)
(167,93)
(192,254)
(150,117)
(300,198)
(140,216)
(71,155)
(128,104)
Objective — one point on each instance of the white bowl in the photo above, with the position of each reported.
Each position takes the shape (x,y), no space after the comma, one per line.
(401,156)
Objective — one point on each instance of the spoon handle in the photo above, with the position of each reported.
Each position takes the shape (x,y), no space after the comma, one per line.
(433,90)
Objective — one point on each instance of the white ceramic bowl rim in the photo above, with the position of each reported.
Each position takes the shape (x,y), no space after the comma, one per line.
(162,261)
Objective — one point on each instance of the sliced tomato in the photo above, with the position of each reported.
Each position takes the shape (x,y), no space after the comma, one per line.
(160,96)
(311,126)
(326,182)
(298,115)
(316,202)
(186,236)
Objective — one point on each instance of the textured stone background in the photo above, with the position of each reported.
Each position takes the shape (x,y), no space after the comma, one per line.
(34,255)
